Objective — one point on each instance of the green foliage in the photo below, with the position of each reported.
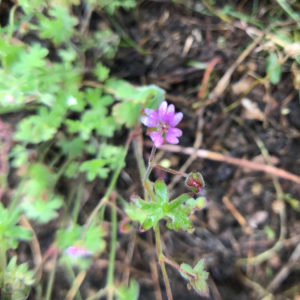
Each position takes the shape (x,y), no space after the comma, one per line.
(132,100)
(132,292)
(274,68)
(294,203)
(175,212)
(101,72)
(40,203)
(10,232)
(109,157)
(93,238)
(42,211)
(60,28)
(17,281)
(67,125)
(111,6)
(198,277)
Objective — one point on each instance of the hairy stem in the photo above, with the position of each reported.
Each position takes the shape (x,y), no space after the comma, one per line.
(161,261)
(150,167)
(112,252)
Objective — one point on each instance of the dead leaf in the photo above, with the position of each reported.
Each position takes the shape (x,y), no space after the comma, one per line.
(251,110)
(242,85)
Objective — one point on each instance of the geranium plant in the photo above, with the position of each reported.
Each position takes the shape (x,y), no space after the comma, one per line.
(156,204)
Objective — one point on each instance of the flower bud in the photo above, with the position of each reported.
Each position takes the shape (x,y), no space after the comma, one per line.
(195,182)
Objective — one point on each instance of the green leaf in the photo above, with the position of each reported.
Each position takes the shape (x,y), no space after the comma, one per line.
(72,148)
(152,96)
(199,280)
(72,170)
(199,266)
(94,168)
(200,203)
(121,88)
(161,191)
(67,237)
(179,220)
(42,211)
(295,204)
(20,233)
(111,6)
(31,60)
(186,268)
(134,213)
(106,42)
(127,113)
(9,53)
(30,6)
(130,293)
(151,220)
(101,72)
(34,129)
(60,28)
(178,201)
(275,72)
(142,204)
(93,238)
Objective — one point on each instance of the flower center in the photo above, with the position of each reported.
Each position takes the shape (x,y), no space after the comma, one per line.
(164,127)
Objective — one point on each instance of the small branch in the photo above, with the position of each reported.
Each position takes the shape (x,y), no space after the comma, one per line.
(237,215)
(201,153)
(150,167)
(177,267)
(76,285)
(154,165)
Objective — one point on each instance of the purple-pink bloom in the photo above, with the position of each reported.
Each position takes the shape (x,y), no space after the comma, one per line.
(75,252)
(162,124)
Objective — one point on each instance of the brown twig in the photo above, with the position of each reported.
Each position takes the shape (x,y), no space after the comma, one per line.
(206,154)
(237,215)
(35,249)
(205,80)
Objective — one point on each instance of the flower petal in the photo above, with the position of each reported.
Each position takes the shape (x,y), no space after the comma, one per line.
(175,131)
(152,120)
(145,120)
(169,115)
(156,138)
(162,110)
(172,139)
(176,119)
(148,111)
(172,134)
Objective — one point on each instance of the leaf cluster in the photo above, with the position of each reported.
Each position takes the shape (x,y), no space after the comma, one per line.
(197,277)
(17,280)
(175,212)
(9,230)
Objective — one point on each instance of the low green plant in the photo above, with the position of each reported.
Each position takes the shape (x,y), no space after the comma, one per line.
(67,131)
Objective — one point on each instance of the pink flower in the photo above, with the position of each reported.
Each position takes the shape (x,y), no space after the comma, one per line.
(75,252)
(162,124)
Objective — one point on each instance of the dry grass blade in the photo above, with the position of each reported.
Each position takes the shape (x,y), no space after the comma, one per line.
(224,81)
